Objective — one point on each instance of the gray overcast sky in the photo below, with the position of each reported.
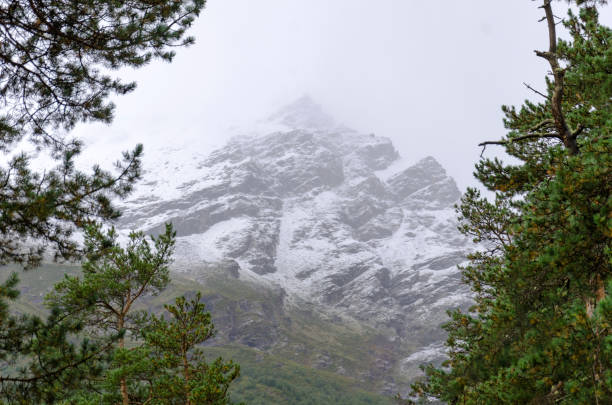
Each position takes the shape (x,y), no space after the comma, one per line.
(430,75)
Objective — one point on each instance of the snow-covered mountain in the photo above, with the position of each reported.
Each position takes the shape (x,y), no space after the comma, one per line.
(330,217)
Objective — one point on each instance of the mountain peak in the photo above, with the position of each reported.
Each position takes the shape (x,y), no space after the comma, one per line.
(426,173)
(301,214)
(303,113)
(431,164)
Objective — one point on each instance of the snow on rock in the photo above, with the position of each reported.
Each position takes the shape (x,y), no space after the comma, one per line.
(330,215)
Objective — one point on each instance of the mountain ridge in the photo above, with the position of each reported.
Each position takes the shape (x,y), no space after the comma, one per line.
(324,215)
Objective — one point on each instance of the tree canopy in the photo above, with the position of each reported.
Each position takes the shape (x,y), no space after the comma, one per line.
(56,60)
(540,330)
(146,358)
(57,64)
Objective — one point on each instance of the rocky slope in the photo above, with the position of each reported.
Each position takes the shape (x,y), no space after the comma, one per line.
(327,220)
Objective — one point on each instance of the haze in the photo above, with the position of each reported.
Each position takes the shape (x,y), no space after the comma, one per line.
(429,75)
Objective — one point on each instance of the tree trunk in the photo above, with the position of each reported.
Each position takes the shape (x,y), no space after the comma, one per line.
(123,383)
(186,372)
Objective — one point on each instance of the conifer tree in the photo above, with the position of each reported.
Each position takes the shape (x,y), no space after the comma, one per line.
(540,330)
(104,298)
(185,376)
(56,65)
(150,360)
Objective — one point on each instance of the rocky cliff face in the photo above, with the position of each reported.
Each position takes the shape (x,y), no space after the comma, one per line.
(326,215)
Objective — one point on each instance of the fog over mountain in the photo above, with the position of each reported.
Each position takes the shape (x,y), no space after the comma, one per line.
(326,217)
(429,75)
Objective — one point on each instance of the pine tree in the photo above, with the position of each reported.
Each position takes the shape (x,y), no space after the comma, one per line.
(145,359)
(104,298)
(56,60)
(56,55)
(186,378)
(540,330)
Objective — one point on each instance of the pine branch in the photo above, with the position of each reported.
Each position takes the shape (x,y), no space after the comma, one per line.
(534,90)
(541,125)
(558,72)
(520,138)
(56,372)
(564,133)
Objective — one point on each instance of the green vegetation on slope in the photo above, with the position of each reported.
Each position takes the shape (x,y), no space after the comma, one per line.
(282,375)
(268,379)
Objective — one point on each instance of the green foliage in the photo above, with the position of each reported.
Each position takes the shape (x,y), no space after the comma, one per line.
(151,359)
(42,210)
(184,375)
(56,55)
(113,280)
(283,375)
(541,327)
(41,360)
(55,63)
(268,379)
